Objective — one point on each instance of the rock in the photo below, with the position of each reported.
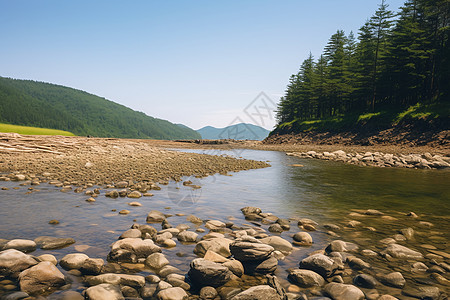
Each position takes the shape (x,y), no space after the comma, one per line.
(215,225)
(208,293)
(340,291)
(169,243)
(131,233)
(278,243)
(48,257)
(246,251)
(235,267)
(112,194)
(207,273)
(178,280)
(305,278)
(194,219)
(173,293)
(92,266)
(121,185)
(134,204)
(402,252)
(48,242)
(251,210)
(260,292)
(320,264)
(17,296)
(21,245)
(422,292)
(104,291)
(357,263)
(266,266)
(218,245)
(365,281)
(155,216)
(418,267)
(303,238)
(341,246)
(387,297)
(124,212)
(108,278)
(129,292)
(156,261)
(129,250)
(373,212)
(135,281)
(73,261)
(276,228)
(214,257)
(14,261)
(408,233)
(147,229)
(187,236)
(41,278)
(53,222)
(134,194)
(394,279)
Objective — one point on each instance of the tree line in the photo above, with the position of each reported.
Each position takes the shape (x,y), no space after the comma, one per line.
(396,60)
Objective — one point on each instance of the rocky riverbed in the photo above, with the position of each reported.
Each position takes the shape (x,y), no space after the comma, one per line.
(379,159)
(371,255)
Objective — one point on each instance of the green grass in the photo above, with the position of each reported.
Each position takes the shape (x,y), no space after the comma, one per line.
(32,130)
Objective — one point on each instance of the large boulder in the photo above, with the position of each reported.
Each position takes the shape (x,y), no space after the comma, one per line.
(49,243)
(260,292)
(218,245)
(129,250)
(14,261)
(247,251)
(305,278)
(340,291)
(104,291)
(278,243)
(207,273)
(320,264)
(41,278)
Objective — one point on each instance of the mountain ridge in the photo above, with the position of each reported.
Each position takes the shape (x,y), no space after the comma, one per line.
(240,131)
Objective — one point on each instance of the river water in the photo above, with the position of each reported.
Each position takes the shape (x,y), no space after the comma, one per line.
(324,191)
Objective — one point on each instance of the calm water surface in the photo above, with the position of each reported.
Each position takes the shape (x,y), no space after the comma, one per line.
(321,190)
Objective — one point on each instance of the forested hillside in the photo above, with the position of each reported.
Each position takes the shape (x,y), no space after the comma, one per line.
(31,103)
(396,67)
(240,131)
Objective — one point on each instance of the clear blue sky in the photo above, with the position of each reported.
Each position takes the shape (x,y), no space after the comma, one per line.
(193,62)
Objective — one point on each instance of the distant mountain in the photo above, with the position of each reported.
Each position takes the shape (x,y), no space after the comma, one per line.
(241,131)
(31,103)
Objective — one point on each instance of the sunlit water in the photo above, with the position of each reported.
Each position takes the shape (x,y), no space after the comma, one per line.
(320,190)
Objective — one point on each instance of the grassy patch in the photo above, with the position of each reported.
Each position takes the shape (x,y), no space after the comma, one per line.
(368,116)
(32,130)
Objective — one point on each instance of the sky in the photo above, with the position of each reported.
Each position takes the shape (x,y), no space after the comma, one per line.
(193,62)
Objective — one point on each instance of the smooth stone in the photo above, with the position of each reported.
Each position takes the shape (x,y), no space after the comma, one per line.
(48,257)
(169,243)
(147,229)
(357,263)
(408,233)
(16,296)
(48,242)
(214,257)
(402,252)
(260,292)
(235,267)
(134,204)
(275,228)
(21,245)
(215,225)
(167,270)
(303,238)
(279,244)
(156,261)
(124,212)
(251,210)
(387,297)
(187,236)
(365,281)
(207,273)
(394,279)
(341,246)
(305,278)
(73,261)
(422,292)
(135,281)
(134,194)
(131,233)
(13,261)
(173,293)
(104,291)
(129,250)
(340,291)
(40,278)
(320,264)
(155,216)
(246,251)
(194,219)
(218,245)
(108,278)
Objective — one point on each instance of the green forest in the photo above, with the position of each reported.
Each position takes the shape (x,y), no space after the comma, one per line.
(31,103)
(396,67)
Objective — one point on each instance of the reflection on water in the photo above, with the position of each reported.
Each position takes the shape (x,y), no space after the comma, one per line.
(320,190)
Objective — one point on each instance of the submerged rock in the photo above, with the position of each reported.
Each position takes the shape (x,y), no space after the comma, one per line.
(48,242)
